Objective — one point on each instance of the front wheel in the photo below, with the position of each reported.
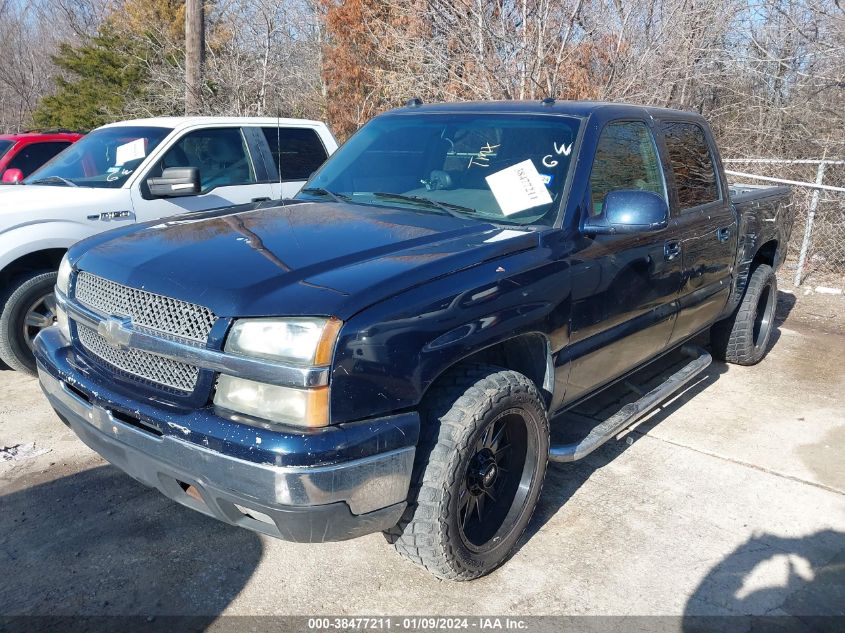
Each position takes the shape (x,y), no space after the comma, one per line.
(28,307)
(478,474)
(743,338)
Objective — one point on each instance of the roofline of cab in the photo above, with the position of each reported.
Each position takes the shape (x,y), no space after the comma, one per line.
(180,123)
(579,109)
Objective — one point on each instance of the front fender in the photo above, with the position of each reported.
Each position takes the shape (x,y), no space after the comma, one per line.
(390,354)
(30,238)
(67,235)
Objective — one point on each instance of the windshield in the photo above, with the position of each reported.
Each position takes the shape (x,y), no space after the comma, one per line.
(509,168)
(105,158)
(4,147)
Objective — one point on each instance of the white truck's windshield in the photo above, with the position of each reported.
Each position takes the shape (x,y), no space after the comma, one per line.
(505,168)
(105,158)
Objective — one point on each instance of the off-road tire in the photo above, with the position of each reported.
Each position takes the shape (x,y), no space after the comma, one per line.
(743,338)
(19,296)
(455,416)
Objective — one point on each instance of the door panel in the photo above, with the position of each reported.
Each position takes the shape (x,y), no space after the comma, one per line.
(218,197)
(623,307)
(624,287)
(708,262)
(227,174)
(286,189)
(703,215)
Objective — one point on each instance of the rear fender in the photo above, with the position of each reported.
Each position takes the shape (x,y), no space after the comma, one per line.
(764,228)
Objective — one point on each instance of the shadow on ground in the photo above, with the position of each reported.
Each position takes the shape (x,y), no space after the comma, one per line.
(813,581)
(784,306)
(99,543)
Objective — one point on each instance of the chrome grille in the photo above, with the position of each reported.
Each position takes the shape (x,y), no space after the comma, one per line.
(146,309)
(140,365)
(151,312)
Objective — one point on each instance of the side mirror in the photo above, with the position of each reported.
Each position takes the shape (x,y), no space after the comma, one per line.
(629,211)
(175,181)
(12,176)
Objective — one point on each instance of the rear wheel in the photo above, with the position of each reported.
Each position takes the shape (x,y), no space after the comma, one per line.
(28,307)
(743,338)
(478,474)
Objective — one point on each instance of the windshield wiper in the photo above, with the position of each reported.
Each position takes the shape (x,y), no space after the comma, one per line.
(455,210)
(56,179)
(337,197)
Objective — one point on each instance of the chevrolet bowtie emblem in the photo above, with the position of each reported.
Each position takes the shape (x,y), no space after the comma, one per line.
(116,331)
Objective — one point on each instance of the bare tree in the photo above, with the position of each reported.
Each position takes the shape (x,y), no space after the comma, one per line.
(769,75)
(25,76)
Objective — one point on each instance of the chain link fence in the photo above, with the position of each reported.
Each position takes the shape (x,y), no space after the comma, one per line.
(817,246)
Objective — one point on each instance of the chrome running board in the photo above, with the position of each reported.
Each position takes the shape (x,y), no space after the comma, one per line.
(634,411)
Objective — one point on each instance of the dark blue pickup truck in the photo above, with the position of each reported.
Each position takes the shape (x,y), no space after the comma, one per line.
(386,351)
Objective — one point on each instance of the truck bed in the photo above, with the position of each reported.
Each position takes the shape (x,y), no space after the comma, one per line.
(764,213)
(765,216)
(742,194)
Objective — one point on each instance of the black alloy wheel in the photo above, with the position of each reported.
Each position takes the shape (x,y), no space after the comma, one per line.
(478,472)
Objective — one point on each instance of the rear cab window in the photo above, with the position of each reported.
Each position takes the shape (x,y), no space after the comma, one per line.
(692,164)
(297,152)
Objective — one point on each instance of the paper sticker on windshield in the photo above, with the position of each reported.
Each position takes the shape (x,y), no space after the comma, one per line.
(130,151)
(518,187)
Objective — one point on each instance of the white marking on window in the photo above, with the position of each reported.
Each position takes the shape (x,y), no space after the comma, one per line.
(566,150)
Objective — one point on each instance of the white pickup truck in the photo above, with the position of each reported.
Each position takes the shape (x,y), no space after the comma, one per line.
(136,171)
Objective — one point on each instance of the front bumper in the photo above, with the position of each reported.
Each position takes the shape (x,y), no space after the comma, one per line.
(339,499)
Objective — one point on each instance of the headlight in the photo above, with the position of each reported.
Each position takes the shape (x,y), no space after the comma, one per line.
(306,341)
(63,279)
(286,405)
(62,322)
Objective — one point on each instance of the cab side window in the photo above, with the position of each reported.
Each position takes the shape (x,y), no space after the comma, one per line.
(297,152)
(221,155)
(626,158)
(692,164)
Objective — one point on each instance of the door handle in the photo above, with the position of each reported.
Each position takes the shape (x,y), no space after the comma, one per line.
(262,199)
(723,234)
(671,250)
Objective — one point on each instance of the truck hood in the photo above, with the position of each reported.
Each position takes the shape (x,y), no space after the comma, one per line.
(28,204)
(331,259)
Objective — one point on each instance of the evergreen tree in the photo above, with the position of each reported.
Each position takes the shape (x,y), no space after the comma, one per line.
(101,75)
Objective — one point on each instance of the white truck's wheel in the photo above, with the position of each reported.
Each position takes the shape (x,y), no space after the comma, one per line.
(28,307)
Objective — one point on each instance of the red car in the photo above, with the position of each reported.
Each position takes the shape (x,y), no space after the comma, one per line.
(22,154)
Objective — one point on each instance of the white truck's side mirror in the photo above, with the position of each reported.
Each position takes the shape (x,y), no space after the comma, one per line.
(174,182)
